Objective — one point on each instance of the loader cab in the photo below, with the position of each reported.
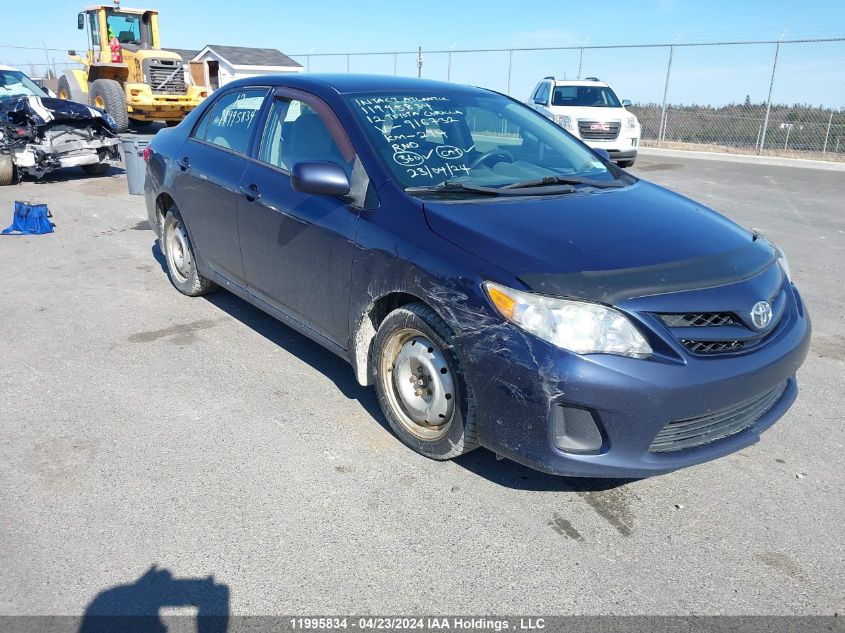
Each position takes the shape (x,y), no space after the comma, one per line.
(134,29)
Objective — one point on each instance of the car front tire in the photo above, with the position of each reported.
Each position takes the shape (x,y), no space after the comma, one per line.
(7,170)
(421,385)
(624,164)
(179,254)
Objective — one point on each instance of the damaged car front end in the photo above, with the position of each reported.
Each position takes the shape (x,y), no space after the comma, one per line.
(39,134)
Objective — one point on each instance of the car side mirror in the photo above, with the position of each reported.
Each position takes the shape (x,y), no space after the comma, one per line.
(626,102)
(601,152)
(321,178)
(80,21)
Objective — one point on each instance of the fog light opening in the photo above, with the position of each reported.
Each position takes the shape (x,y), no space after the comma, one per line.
(575,429)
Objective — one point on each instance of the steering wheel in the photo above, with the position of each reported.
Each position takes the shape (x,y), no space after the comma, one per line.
(502,153)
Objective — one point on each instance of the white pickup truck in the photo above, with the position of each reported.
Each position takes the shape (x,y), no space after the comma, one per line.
(590,110)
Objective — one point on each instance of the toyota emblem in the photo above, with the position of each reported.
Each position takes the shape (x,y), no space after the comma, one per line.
(761,315)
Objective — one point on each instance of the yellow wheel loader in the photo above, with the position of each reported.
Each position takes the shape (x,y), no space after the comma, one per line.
(126,73)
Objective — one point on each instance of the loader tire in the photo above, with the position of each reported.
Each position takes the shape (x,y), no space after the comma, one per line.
(108,95)
(64,91)
(7,170)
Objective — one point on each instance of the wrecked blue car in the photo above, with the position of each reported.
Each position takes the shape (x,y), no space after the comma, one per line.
(500,283)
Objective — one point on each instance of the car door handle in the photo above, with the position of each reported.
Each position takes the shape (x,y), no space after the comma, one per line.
(250,192)
(184,163)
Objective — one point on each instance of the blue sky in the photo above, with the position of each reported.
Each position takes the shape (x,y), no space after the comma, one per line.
(808,73)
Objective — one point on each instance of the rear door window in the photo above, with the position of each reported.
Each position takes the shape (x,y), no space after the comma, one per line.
(230,121)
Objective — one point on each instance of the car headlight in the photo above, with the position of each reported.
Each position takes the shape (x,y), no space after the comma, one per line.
(632,122)
(784,264)
(577,326)
(564,121)
(781,256)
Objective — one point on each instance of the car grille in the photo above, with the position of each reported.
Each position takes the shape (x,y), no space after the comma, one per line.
(713,333)
(712,347)
(599,130)
(699,319)
(166,76)
(689,432)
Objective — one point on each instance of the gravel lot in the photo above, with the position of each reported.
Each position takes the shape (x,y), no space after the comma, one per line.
(142,428)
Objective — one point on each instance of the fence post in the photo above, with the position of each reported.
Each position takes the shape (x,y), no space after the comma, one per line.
(661,130)
(769,100)
(510,68)
(419,62)
(827,134)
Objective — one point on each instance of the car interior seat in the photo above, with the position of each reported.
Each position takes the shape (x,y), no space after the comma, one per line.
(307,139)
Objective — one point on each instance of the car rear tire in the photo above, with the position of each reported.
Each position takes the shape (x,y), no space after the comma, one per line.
(421,385)
(624,164)
(179,254)
(100,169)
(108,95)
(7,170)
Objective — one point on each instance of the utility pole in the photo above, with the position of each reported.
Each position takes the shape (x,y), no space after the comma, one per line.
(661,130)
(769,100)
(419,62)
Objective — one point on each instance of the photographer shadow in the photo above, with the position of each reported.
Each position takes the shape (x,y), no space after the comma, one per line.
(135,608)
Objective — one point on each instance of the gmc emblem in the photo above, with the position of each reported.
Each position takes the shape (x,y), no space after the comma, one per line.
(600,127)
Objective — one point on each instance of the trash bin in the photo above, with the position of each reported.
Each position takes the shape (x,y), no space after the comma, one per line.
(133,159)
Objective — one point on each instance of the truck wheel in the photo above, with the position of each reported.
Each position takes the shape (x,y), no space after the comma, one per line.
(108,95)
(100,169)
(624,164)
(420,383)
(64,89)
(7,169)
(179,253)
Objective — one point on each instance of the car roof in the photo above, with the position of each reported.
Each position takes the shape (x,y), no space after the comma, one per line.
(2,67)
(343,83)
(579,82)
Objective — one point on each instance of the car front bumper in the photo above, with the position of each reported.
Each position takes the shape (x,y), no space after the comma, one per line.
(518,381)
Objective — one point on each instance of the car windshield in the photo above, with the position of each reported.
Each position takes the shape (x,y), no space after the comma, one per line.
(13,83)
(585,96)
(473,139)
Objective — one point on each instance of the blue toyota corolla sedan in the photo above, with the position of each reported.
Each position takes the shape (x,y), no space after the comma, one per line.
(500,283)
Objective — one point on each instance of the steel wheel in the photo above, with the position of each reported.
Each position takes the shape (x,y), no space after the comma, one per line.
(419,384)
(178,252)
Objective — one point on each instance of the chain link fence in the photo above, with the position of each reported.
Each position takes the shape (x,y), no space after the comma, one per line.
(769,97)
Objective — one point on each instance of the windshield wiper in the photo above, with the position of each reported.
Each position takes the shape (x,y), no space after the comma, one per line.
(550,181)
(450,186)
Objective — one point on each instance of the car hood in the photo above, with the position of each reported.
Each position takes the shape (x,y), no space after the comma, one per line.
(591,113)
(43,111)
(549,241)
